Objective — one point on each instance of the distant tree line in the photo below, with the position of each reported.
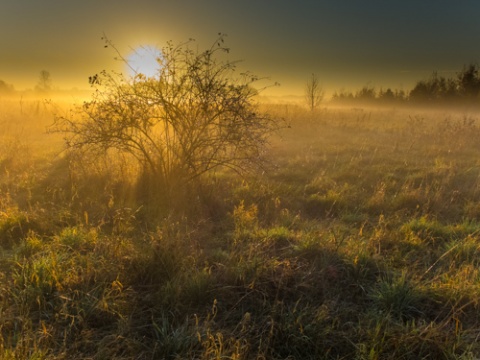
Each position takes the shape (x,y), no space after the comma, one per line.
(462,89)
(368,94)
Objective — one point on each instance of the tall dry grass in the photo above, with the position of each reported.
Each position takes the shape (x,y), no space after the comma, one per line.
(360,241)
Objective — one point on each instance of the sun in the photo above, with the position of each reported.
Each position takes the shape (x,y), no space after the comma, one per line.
(144,60)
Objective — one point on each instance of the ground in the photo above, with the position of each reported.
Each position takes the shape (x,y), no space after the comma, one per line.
(359,240)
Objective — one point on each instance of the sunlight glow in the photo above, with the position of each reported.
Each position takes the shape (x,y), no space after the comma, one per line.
(144,60)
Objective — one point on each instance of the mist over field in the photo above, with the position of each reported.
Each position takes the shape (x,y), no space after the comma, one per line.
(304,184)
(355,237)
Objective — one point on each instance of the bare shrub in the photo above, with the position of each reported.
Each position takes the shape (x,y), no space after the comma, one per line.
(195,116)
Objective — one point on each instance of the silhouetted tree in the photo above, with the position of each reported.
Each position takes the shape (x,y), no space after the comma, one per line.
(192,118)
(420,92)
(469,82)
(313,93)
(400,95)
(436,88)
(342,96)
(366,94)
(44,81)
(386,95)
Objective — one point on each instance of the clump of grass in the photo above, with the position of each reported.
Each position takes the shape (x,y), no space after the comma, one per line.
(398,297)
(433,230)
(245,221)
(323,205)
(466,250)
(31,245)
(14,225)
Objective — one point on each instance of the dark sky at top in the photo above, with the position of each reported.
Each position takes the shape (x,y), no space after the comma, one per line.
(347,43)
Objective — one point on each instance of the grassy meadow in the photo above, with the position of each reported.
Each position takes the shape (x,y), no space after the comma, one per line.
(359,240)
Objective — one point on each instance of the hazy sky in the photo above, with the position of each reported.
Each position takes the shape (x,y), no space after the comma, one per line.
(347,43)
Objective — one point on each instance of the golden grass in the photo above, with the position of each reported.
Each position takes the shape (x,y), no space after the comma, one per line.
(360,241)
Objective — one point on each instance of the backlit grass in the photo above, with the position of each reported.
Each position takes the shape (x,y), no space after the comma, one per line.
(360,241)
